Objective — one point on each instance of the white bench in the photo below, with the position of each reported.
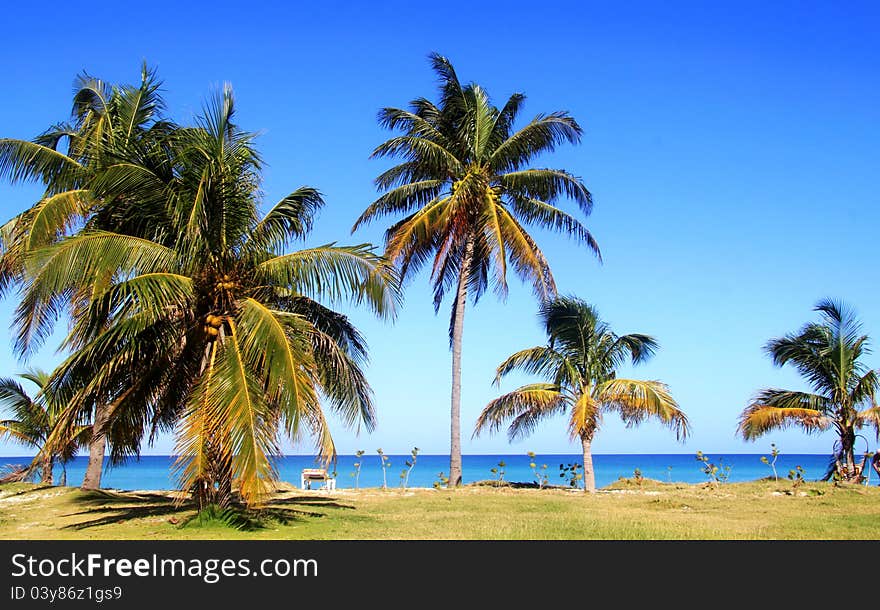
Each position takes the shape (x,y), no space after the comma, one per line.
(316,474)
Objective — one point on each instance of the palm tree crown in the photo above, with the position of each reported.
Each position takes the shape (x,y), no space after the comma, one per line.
(580,365)
(467,193)
(843,398)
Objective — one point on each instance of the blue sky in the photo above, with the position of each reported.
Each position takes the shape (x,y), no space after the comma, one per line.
(731,151)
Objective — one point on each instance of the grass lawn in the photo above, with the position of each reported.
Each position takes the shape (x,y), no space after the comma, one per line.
(762,509)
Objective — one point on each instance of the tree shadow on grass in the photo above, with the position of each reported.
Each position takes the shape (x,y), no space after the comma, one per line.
(110,507)
(30,490)
(322,501)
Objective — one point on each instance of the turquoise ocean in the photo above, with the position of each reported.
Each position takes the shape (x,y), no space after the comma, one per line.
(155,472)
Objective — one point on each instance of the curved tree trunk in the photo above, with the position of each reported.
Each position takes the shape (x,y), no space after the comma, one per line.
(589,473)
(457,331)
(97,444)
(47,477)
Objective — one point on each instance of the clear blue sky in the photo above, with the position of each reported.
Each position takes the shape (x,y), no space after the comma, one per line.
(731,150)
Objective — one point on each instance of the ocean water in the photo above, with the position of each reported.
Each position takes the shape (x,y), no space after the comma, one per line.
(155,472)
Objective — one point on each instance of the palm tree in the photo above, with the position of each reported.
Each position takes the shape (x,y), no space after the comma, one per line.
(108,125)
(843,397)
(199,321)
(34,419)
(580,363)
(467,190)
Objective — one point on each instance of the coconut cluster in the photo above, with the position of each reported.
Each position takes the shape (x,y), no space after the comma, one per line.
(213,324)
(225,283)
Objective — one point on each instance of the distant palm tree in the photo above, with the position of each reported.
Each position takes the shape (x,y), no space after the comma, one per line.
(844,397)
(467,190)
(580,365)
(33,421)
(110,126)
(205,324)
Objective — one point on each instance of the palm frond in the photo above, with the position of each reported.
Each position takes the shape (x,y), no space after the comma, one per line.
(637,401)
(758,419)
(275,345)
(536,400)
(336,274)
(291,218)
(870,417)
(547,184)
(543,134)
(23,161)
(585,416)
(542,361)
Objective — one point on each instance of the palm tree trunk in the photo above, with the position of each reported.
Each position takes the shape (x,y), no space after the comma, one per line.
(457,332)
(47,477)
(848,443)
(589,473)
(97,445)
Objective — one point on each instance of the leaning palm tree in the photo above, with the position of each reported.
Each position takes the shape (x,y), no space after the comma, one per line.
(109,125)
(580,363)
(843,398)
(468,193)
(206,324)
(33,421)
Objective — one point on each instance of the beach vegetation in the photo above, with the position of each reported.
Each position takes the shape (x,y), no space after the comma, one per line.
(771,461)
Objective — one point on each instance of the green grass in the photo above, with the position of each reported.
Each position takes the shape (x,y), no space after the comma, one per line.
(758,510)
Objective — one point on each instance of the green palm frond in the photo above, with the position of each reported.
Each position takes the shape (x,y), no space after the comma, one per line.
(548,185)
(343,382)
(54,215)
(84,262)
(275,346)
(291,218)
(542,361)
(543,134)
(336,274)
(237,397)
(23,161)
(536,212)
(12,429)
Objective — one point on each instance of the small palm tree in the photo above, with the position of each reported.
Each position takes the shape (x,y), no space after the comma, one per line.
(580,363)
(468,193)
(843,398)
(35,419)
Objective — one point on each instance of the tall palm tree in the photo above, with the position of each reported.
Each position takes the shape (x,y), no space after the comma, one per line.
(108,125)
(33,421)
(579,364)
(844,390)
(204,324)
(468,192)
